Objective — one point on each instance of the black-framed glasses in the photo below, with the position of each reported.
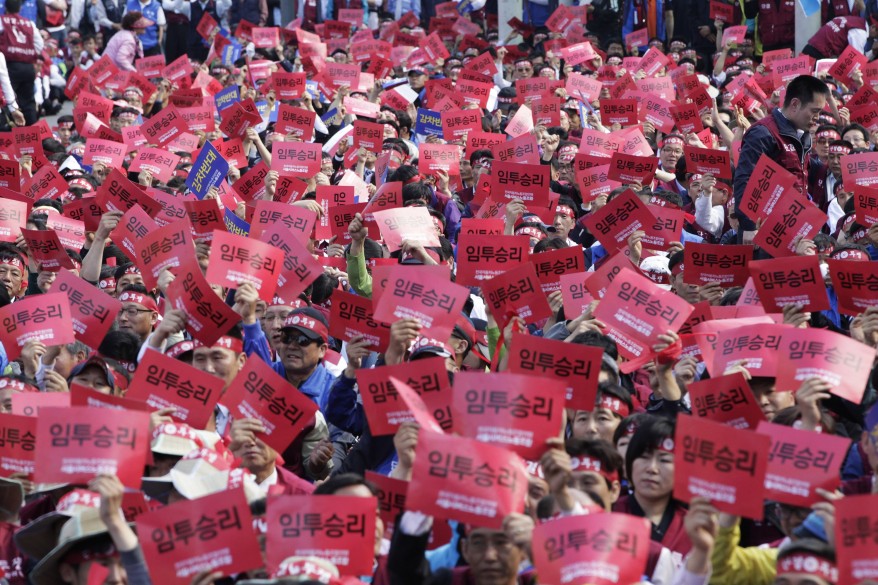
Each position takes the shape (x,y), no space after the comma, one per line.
(131,312)
(299,339)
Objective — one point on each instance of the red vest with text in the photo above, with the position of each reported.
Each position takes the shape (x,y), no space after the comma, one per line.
(777,22)
(17,39)
(832,38)
(833,8)
(788,155)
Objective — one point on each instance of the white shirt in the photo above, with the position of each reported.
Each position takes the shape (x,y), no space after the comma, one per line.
(268,482)
(710,217)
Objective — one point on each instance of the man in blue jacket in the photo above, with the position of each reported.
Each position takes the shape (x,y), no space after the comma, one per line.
(784,136)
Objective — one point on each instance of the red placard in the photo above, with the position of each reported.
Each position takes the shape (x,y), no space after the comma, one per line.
(474,92)
(796,280)
(586,88)
(784,228)
(667,227)
(636,310)
(259,392)
(866,204)
(576,366)
(854,517)
(551,265)
(855,285)
(265,37)
(386,407)
(47,183)
(767,185)
(164,128)
(576,296)
(632,168)
(212,533)
(10,175)
(619,111)
(205,217)
(756,348)
(19,434)
(235,259)
(722,11)
(166,247)
(819,353)
(207,317)
(178,69)
(30,403)
(299,158)
(339,529)
(76,443)
(457,124)
(117,193)
(85,396)
(406,223)
(351,315)
(300,268)
(687,119)
(293,120)
(509,410)
(451,479)
(801,461)
(618,219)
(521,123)
(516,292)
(45,318)
(163,382)
(522,149)
(298,220)
(368,135)
(708,161)
(157,161)
(637,39)
(706,263)
(439,157)
(860,168)
(110,154)
(436,303)
(727,400)
(513,180)
(391,496)
(721,463)
(481,258)
(151,67)
(12,218)
(594,182)
(658,112)
(849,61)
(235,119)
(92,311)
(600,549)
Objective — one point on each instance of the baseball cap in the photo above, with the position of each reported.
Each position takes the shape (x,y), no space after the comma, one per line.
(309,322)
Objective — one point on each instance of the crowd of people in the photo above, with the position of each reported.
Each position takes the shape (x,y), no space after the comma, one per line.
(376,296)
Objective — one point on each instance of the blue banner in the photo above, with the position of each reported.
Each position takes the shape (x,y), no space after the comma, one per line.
(208,170)
(428,123)
(236,225)
(227,97)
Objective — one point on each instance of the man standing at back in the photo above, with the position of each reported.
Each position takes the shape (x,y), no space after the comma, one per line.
(784,136)
(21,44)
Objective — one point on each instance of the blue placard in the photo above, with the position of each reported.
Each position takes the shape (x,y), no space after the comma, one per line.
(235,225)
(231,53)
(208,170)
(810,7)
(227,97)
(428,123)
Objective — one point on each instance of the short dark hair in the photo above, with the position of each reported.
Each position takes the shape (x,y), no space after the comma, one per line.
(598,449)
(647,438)
(855,126)
(121,345)
(596,339)
(804,88)
(616,391)
(416,192)
(341,481)
(13,6)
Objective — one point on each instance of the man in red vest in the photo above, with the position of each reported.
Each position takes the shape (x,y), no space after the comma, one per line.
(783,136)
(21,44)
(838,34)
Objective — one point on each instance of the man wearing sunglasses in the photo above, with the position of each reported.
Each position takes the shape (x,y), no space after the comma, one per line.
(301,348)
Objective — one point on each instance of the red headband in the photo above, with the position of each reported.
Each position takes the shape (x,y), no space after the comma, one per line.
(177,430)
(839,149)
(677,269)
(667,445)
(672,140)
(614,405)
(809,564)
(14,261)
(306,322)
(131,270)
(532,232)
(141,299)
(106,283)
(17,385)
(414,179)
(850,255)
(564,210)
(232,343)
(586,463)
(828,134)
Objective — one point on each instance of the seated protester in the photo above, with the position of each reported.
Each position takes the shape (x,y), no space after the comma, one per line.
(139,312)
(103,375)
(13,271)
(592,468)
(492,556)
(613,404)
(649,465)
(303,344)
(89,535)
(353,485)
(565,220)
(50,366)
(262,461)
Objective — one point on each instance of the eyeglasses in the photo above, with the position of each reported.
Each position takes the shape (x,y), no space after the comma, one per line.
(297,339)
(131,312)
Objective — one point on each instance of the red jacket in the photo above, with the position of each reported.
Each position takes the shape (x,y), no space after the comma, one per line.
(777,23)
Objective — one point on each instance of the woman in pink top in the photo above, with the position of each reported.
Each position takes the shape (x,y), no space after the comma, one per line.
(125,47)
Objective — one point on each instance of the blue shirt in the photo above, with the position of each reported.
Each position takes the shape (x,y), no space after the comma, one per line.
(316,386)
